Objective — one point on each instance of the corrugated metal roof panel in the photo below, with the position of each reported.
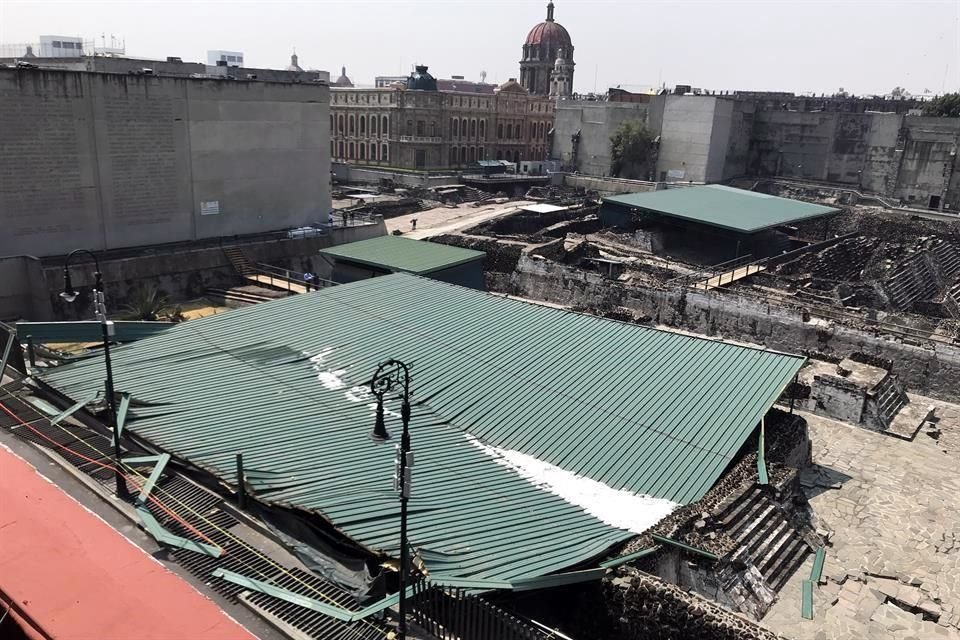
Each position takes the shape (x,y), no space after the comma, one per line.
(284,383)
(88,331)
(725,207)
(394,253)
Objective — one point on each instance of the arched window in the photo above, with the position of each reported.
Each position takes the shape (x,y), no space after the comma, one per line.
(499,132)
(363,151)
(385,128)
(499,155)
(340,123)
(516,131)
(463,127)
(373,145)
(453,156)
(480,153)
(363,125)
(331,124)
(353,125)
(463,155)
(350,152)
(453,127)
(483,129)
(373,125)
(340,150)
(473,154)
(473,128)
(332,154)
(384,156)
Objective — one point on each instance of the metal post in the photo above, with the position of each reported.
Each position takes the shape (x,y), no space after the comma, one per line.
(31,354)
(389,374)
(105,325)
(241,483)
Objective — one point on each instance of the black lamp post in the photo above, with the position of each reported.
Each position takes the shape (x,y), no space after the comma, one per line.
(106,329)
(390,375)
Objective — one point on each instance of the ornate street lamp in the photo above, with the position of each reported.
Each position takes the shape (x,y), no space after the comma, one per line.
(70,294)
(389,376)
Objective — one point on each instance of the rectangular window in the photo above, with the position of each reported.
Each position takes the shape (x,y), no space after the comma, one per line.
(57,44)
(420,128)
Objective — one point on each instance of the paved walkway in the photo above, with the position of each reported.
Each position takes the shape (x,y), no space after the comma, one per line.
(441,220)
(893,565)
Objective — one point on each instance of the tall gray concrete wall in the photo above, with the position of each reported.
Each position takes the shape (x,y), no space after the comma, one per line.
(596,122)
(104,161)
(932,369)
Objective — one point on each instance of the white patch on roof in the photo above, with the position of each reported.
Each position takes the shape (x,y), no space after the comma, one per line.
(618,508)
(332,380)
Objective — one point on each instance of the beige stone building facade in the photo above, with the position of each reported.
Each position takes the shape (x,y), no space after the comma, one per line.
(427,129)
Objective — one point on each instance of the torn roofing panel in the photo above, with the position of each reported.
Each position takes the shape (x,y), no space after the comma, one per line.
(284,383)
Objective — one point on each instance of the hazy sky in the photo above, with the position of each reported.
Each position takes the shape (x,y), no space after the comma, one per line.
(865,46)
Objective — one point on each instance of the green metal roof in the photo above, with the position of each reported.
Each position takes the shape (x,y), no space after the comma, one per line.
(88,331)
(394,253)
(283,383)
(725,207)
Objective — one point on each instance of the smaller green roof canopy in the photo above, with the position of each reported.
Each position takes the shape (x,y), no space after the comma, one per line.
(724,207)
(396,254)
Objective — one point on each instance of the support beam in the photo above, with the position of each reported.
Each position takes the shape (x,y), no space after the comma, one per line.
(762,477)
(71,410)
(162,461)
(163,536)
(332,610)
(122,414)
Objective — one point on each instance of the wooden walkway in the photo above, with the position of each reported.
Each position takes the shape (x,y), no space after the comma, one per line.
(278,282)
(729,277)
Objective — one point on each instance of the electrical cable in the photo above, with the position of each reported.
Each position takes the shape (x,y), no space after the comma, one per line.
(176,517)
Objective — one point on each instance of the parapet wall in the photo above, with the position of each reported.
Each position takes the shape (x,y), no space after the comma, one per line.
(932,369)
(103,160)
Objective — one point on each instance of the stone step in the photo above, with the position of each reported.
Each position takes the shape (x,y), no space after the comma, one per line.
(773,540)
(735,510)
(779,574)
(766,511)
(765,531)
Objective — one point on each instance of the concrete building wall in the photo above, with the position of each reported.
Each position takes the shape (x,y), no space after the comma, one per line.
(22,293)
(104,161)
(929,163)
(686,135)
(596,122)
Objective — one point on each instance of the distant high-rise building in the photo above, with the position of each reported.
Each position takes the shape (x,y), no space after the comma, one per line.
(231,58)
(541,51)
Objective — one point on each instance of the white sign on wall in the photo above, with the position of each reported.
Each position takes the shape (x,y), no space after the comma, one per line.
(676,174)
(210,207)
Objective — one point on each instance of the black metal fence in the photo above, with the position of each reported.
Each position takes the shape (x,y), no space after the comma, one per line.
(453,614)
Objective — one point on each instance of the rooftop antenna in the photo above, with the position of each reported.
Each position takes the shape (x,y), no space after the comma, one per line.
(483,77)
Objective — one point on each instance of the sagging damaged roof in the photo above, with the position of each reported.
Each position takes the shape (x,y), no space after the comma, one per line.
(394,253)
(724,207)
(283,383)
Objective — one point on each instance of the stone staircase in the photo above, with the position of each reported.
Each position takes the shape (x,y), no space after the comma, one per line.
(947,255)
(889,398)
(951,300)
(766,538)
(239,261)
(913,280)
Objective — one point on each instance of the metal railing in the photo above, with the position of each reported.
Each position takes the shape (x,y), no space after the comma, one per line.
(453,614)
(286,278)
(701,279)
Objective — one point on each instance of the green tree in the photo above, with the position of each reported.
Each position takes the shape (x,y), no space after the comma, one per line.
(631,148)
(946,106)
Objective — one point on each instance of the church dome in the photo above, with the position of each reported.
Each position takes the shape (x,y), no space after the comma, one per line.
(549,32)
(420,80)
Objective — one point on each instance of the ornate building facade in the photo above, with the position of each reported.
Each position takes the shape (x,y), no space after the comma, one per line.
(416,126)
(421,123)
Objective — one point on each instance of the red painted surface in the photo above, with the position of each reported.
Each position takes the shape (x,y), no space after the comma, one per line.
(76,578)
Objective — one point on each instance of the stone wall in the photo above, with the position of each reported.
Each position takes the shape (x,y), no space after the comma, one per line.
(650,609)
(596,122)
(837,398)
(932,369)
(179,272)
(18,297)
(608,186)
(101,160)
